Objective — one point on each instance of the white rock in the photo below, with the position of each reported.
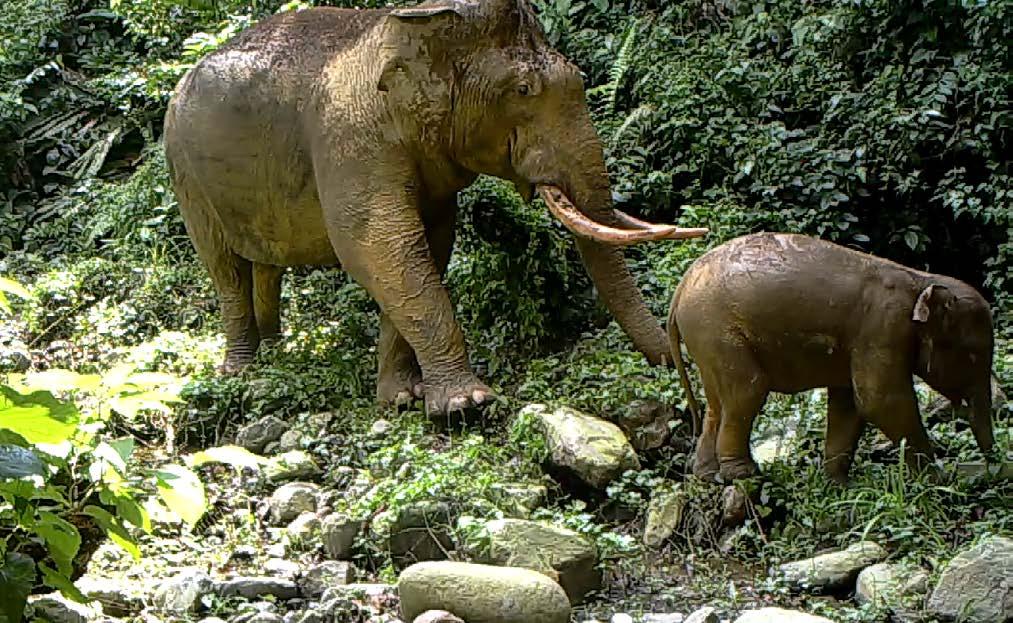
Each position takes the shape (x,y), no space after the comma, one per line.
(779,615)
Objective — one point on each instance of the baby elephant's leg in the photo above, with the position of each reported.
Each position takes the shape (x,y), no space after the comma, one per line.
(844,429)
(705,464)
(743,387)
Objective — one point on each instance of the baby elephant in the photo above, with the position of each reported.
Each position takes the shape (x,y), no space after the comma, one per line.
(786,313)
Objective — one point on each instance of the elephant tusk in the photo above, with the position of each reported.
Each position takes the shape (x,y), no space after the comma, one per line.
(583,226)
(632,222)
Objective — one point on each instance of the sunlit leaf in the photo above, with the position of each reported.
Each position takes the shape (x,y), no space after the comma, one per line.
(39,417)
(182,492)
(230,455)
(62,583)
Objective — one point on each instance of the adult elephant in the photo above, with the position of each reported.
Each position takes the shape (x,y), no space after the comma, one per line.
(343,136)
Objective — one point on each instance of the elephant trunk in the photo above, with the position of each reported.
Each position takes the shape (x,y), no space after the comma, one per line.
(606,263)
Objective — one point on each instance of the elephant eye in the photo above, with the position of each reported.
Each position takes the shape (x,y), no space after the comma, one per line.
(523,89)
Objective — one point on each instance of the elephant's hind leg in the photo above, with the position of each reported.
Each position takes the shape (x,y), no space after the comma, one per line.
(844,430)
(743,387)
(267,300)
(705,464)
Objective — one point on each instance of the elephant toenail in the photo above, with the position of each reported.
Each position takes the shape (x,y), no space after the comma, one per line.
(458,403)
(479,396)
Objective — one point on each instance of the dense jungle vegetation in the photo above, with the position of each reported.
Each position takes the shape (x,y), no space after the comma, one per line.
(880,124)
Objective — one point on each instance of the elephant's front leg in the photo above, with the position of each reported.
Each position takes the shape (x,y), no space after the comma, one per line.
(399,377)
(387,251)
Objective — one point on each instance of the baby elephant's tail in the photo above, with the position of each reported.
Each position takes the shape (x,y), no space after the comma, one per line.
(680,364)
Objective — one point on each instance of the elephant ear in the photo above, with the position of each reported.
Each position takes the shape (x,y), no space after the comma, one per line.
(410,30)
(927,300)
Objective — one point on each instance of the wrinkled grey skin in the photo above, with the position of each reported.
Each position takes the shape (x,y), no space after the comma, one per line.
(788,313)
(343,136)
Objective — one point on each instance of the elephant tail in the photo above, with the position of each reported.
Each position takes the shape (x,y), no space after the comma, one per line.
(680,364)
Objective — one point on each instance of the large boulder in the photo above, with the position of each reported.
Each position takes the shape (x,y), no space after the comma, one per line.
(292,465)
(779,615)
(562,554)
(893,586)
(319,578)
(256,435)
(338,533)
(647,424)
(482,593)
(664,514)
(291,500)
(976,586)
(834,570)
(421,532)
(183,594)
(591,449)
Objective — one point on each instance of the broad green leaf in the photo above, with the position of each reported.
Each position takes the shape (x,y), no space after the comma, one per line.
(152,379)
(114,529)
(39,417)
(111,456)
(18,462)
(128,508)
(55,579)
(17,576)
(230,455)
(124,446)
(182,492)
(62,540)
(130,406)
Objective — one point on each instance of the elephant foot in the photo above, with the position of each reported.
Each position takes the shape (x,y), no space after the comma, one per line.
(706,471)
(234,365)
(456,397)
(399,388)
(738,469)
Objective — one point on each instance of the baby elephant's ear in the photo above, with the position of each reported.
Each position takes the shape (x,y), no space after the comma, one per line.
(925,303)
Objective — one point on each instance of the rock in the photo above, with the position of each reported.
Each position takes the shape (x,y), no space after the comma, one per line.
(256,435)
(252,587)
(55,608)
(593,450)
(481,593)
(291,440)
(265,617)
(621,617)
(183,594)
(292,465)
(971,470)
(437,616)
(672,617)
(421,532)
(773,449)
(319,578)
(282,568)
(304,526)
(894,587)
(291,500)
(646,424)
(664,514)
(563,554)
(977,584)
(338,533)
(118,598)
(377,596)
(211,620)
(833,570)
(734,507)
(15,356)
(706,614)
(779,615)
(519,499)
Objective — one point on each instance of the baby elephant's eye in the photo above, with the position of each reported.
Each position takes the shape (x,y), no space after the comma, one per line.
(523,89)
